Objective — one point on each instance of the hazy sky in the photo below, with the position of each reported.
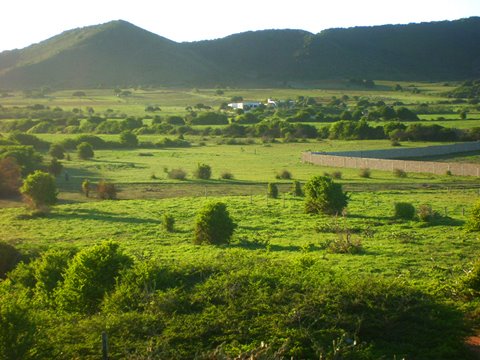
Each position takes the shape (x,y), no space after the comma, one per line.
(24,22)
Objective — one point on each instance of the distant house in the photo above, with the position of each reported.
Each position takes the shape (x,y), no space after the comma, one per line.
(245,105)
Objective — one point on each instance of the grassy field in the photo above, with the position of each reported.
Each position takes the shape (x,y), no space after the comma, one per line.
(279,285)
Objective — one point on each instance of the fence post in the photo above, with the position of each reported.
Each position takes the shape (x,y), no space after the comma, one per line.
(104,346)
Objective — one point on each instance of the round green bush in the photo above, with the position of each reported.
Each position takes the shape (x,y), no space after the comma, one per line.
(322,195)
(214,224)
(473,223)
(85,151)
(203,171)
(405,211)
(40,189)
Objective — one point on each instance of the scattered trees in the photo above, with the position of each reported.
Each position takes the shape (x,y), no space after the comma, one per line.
(213,224)
(322,195)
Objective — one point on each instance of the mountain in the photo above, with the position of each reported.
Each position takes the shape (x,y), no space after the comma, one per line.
(121,54)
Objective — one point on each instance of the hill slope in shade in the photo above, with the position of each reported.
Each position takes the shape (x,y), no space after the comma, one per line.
(119,54)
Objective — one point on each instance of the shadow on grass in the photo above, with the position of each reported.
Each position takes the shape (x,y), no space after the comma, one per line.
(444,221)
(84,214)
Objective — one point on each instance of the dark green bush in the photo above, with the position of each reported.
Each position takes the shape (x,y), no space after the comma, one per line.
(227,175)
(9,258)
(297,188)
(203,171)
(284,174)
(168,222)
(322,195)
(399,173)
(365,173)
(213,224)
(473,222)
(40,189)
(272,190)
(404,210)
(425,213)
(85,151)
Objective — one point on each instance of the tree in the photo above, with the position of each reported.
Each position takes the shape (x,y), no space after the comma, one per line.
(214,224)
(57,151)
(322,195)
(128,139)
(55,167)
(10,177)
(85,151)
(203,171)
(91,274)
(40,189)
(86,187)
(106,190)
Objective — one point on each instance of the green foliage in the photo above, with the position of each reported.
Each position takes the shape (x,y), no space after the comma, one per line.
(40,189)
(322,195)
(57,151)
(272,190)
(168,222)
(9,258)
(213,224)
(297,188)
(85,151)
(48,271)
(473,222)
(128,139)
(404,210)
(10,177)
(203,172)
(55,167)
(25,156)
(29,140)
(90,276)
(106,190)
(472,278)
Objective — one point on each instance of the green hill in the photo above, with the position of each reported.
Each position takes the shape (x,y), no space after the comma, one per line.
(119,54)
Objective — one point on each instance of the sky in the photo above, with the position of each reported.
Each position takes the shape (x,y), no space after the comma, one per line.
(24,22)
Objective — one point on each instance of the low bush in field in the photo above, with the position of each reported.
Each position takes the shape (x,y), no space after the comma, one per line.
(106,190)
(284,175)
(399,173)
(227,175)
(272,190)
(365,173)
(297,188)
(178,174)
(405,211)
(336,175)
(203,171)
(322,195)
(473,222)
(425,213)
(168,222)
(213,224)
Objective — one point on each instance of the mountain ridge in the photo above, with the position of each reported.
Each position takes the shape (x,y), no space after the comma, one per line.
(119,53)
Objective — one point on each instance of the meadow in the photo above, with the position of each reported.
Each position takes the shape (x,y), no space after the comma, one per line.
(360,285)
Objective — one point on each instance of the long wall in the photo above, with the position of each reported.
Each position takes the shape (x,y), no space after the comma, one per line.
(439,168)
(399,153)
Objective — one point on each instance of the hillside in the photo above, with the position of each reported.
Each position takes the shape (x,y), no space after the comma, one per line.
(118,54)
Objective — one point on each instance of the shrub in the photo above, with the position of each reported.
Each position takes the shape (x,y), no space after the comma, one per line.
(365,173)
(473,223)
(272,190)
(178,174)
(297,188)
(55,167)
(336,175)
(128,139)
(425,213)
(214,224)
(168,222)
(404,210)
(399,173)
(86,187)
(9,258)
(40,189)
(85,151)
(57,151)
(345,243)
(10,177)
(203,171)
(284,174)
(91,274)
(448,173)
(226,175)
(106,190)
(472,280)
(322,195)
